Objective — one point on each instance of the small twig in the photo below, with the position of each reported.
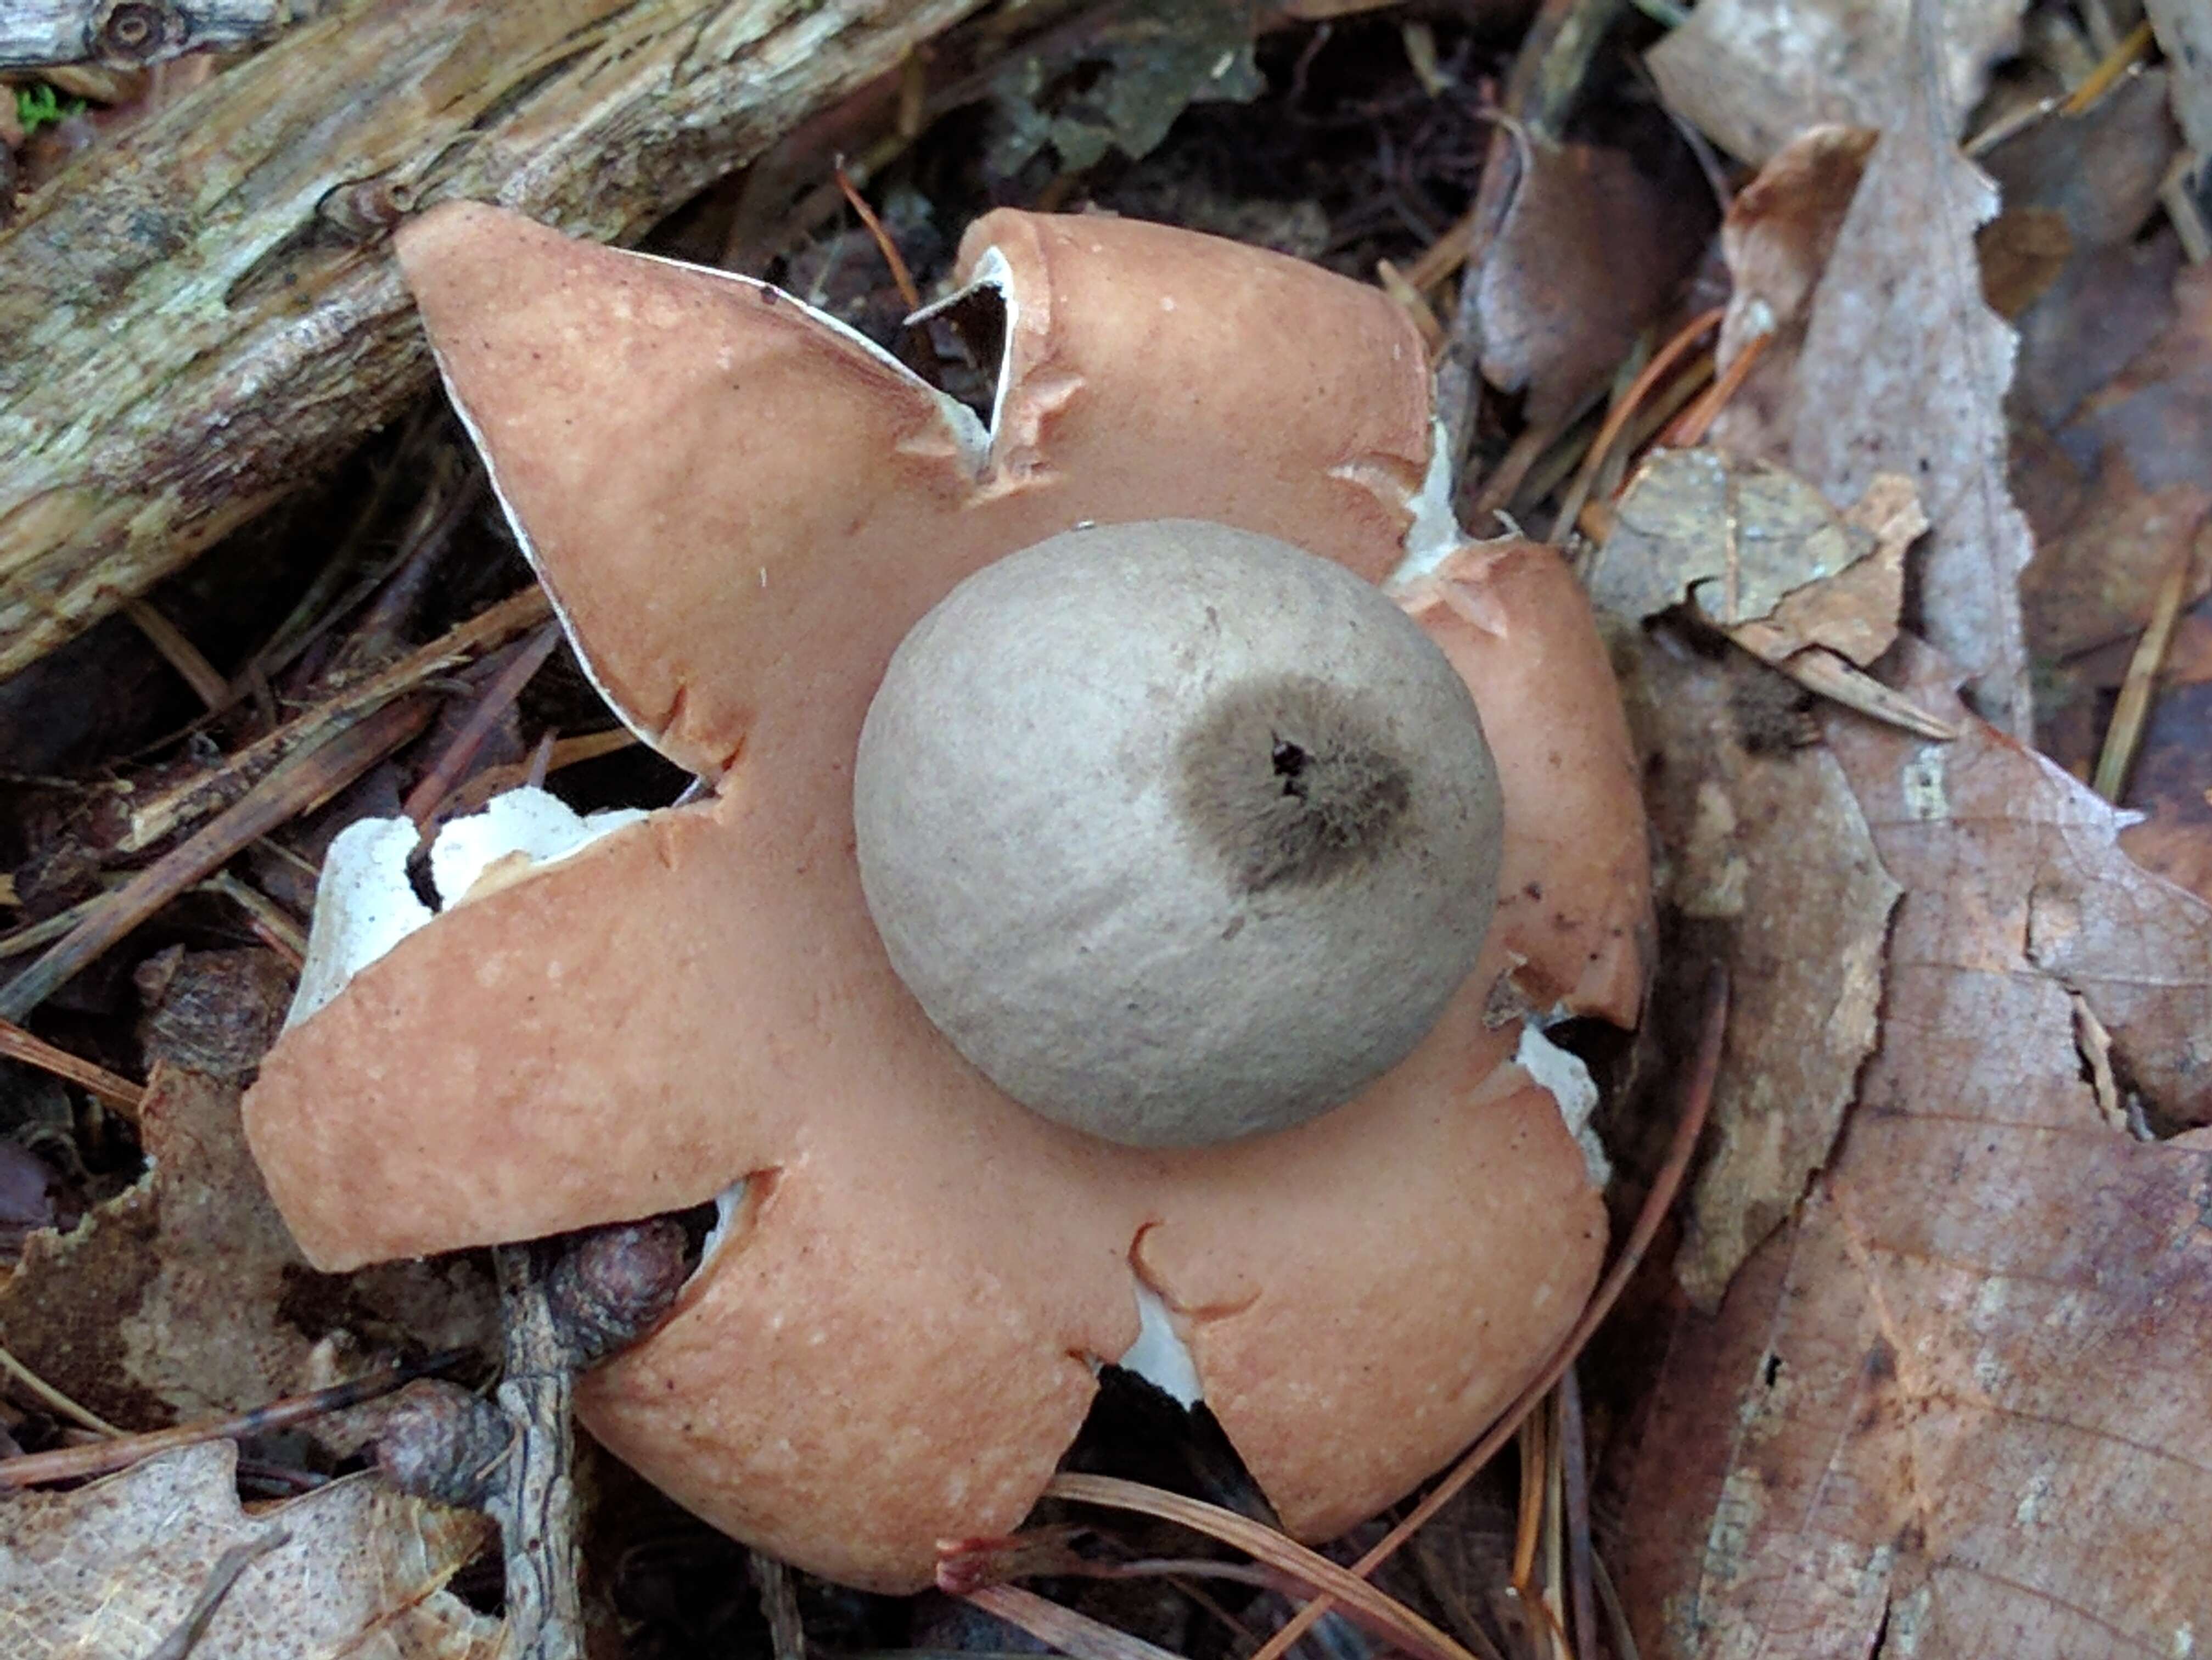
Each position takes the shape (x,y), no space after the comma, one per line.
(55,1399)
(552,755)
(313,613)
(1552,1595)
(1616,1617)
(900,274)
(1574,1462)
(399,588)
(2124,736)
(33,935)
(1527,448)
(276,930)
(120,1093)
(221,1577)
(779,1600)
(303,781)
(534,1498)
(1697,1094)
(498,698)
(75,1463)
(173,810)
(181,653)
(2179,200)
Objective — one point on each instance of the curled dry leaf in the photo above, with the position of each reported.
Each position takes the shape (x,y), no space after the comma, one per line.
(186,1297)
(1752,74)
(1957,1407)
(2169,781)
(1769,564)
(2141,440)
(1776,241)
(1735,540)
(1772,867)
(2067,259)
(1907,368)
(1589,248)
(116,1567)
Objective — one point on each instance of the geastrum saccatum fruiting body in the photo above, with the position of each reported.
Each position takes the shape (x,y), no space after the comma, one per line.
(741,510)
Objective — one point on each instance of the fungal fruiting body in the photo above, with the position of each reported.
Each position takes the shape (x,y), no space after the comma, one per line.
(894,1336)
(1178,833)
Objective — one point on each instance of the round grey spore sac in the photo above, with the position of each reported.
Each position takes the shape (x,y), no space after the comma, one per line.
(1178,832)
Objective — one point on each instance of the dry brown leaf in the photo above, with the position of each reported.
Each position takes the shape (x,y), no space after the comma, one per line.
(111,1570)
(1732,538)
(1905,370)
(1589,249)
(1769,562)
(2066,259)
(1754,74)
(1776,241)
(2096,577)
(1747,542)
(185,1296)
(2172,772)
(1958,1409)
(2109,541)
(2099,170)
(1773,871)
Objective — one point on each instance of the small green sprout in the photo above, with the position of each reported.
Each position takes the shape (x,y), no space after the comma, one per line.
(40,106)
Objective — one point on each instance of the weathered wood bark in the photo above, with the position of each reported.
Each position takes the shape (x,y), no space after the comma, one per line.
(195,320)
(126,33)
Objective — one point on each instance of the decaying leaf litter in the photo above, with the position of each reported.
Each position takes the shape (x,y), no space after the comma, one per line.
(1923,1372)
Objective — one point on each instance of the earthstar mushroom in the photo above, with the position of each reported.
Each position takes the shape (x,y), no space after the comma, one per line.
(741,509)
(1177,832)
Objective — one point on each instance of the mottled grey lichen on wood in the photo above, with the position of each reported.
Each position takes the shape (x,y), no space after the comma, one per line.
(128,34)
(200,317)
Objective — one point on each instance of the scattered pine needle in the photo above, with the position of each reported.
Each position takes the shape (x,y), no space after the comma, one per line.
(551,756)
(1444,256)
(1574,1462)
(1699,418)
(268,921)
(181,653)
(175,811)
(119,1093)
(1697,1094)
(1407,1630)
(55,1399)
(1413,303)
(1618,417)
(900,274)
(2116,63)
(2130,714)
(101,1458)
(302,782)
(1072,1633)
(423,801)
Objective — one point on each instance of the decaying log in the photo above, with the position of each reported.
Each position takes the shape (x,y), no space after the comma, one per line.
(127,34)
(197,317)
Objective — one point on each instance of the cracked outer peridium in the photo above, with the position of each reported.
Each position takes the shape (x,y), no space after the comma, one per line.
(740,511)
